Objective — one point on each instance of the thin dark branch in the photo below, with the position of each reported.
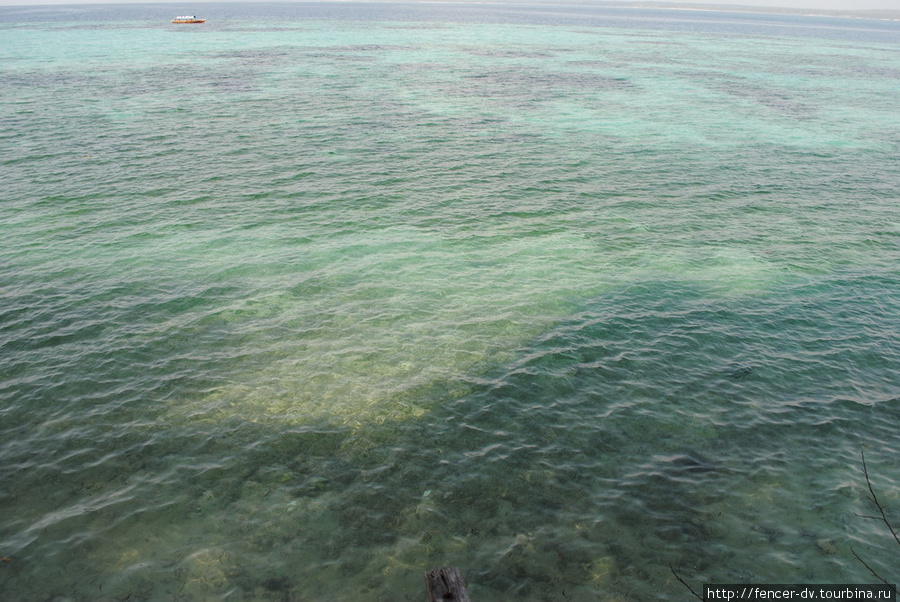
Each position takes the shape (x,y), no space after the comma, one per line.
(684,583)
(866,516)
(871,570)
(875,498)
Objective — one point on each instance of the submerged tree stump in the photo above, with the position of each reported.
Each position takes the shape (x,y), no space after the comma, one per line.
(446,585)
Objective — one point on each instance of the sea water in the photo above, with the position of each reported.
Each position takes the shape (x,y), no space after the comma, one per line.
(311,298)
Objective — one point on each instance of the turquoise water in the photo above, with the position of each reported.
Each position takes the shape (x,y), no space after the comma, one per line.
(309,299)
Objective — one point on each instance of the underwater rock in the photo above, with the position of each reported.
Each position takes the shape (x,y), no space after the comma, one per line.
(827,546)
(206,573)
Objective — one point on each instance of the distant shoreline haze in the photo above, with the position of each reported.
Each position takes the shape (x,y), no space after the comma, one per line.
(873,9)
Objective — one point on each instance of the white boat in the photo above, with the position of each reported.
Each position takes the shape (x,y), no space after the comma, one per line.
(187,19)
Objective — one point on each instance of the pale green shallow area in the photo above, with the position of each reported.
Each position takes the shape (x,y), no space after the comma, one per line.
(312,298)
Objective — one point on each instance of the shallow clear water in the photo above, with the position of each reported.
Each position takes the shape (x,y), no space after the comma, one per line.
(312,298)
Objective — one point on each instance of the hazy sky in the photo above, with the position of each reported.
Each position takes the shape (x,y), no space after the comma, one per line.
(808,4)
(821,4)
